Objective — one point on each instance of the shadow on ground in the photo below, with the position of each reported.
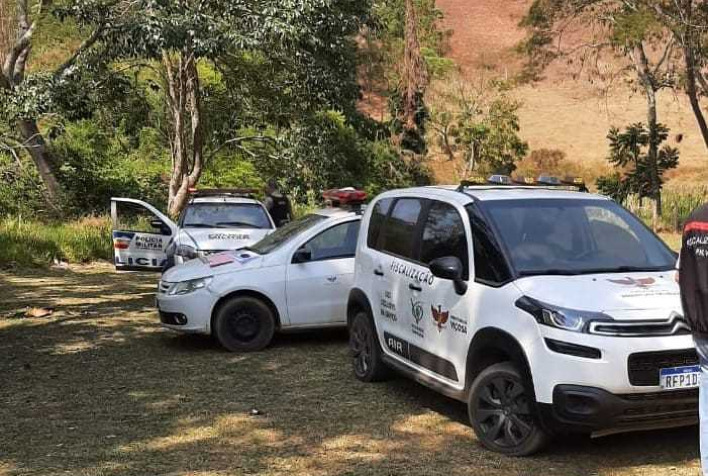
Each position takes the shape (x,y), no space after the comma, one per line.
(99,389)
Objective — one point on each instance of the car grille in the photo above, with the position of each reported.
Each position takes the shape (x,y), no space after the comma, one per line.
(656,407)
(675,325)
(644,367)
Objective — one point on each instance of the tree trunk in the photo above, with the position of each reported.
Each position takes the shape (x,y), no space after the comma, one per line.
(689,56)
(186,135)
(641,65)
(37,148)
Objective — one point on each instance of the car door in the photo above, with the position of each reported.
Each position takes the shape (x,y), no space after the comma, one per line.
(441,316)
(320,276)
(395,268)
(141,234)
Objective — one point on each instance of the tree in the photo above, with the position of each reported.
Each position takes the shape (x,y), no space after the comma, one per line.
(688,22)
(179,40)
(642,174)
(619,29)
(23,98)
(480,130)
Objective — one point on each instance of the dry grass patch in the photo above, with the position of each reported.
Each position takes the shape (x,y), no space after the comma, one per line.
(99,389)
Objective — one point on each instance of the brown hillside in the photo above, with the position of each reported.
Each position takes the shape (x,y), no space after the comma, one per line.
(559,113)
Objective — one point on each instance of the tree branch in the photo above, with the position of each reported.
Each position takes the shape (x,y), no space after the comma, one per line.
(86,44)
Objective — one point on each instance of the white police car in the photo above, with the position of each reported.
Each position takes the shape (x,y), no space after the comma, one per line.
(213,221)
(298,277)
(545,310)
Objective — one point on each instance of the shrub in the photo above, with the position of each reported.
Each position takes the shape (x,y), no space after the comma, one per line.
(30,243)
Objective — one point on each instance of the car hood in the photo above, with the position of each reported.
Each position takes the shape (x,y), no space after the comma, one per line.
(216,264)
(623,296)
(220,239)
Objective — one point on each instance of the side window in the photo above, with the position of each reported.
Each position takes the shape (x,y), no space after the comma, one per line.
(378,216)
(399,233)
(489,263)
(444,235)
(133,217)
(336,242)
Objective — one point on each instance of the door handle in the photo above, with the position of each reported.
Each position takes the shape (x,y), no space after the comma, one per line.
(378,272)
(414,287)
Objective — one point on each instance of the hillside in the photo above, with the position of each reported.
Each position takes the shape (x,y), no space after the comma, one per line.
(558,112)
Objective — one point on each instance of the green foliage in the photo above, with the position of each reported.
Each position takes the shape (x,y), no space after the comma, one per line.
(613,186)
(630,150)
(232,172)
(20,187)
(32,243)
(97,166)
(481,129)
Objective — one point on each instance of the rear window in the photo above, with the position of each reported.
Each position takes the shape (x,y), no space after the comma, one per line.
(225,215)
(399,234)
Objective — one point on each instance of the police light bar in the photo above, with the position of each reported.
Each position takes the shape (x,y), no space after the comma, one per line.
(500,179)
(232,192)
(548,180)
(344,196)
(575,181)
(474,180)
(525,180)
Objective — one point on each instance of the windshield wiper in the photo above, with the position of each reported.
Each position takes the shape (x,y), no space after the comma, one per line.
(548,272)
(627,269)
(198,225)
(226,224)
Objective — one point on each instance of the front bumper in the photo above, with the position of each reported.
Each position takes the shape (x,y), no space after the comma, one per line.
(593,410)
(620,366)
(189,313)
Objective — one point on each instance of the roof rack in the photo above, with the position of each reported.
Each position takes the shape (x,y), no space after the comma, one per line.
(223,192)
(543,181)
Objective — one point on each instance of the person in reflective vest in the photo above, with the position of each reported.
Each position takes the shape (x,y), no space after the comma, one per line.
(693,281)
(277,204)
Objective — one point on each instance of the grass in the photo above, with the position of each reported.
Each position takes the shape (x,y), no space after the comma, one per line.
(30,243)
(100,389)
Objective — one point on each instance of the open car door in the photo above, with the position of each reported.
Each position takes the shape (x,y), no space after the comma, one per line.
(141,234)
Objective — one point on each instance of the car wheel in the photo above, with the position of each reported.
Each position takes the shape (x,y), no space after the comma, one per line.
(501,410)
(365,350)
(244,324)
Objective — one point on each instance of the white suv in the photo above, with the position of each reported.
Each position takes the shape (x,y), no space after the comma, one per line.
(546,310)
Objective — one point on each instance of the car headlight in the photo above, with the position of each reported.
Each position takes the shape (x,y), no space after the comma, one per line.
(560,317)
(186,287)
(186,251)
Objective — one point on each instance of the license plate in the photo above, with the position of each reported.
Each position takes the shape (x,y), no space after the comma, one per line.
(680,377)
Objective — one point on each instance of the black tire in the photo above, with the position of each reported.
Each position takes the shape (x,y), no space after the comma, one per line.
(502,412)
(365,350)
(244,324)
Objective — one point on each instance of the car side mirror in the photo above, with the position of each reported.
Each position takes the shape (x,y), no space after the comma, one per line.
(451,269)
(158,225)
(302,255)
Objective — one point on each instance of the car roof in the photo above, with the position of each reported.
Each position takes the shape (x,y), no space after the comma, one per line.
(452,193)
(336,212)
(224,199)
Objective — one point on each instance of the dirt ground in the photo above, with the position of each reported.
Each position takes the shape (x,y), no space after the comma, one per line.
(99,389)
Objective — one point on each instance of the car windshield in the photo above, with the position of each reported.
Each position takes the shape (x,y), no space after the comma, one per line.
(571,236)
(225,215)
(282,235)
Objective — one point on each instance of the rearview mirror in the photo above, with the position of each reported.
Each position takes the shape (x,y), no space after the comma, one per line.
(158,225)
(452,269)
(302,255)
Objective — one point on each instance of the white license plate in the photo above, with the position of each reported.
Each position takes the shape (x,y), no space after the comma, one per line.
(680,377)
